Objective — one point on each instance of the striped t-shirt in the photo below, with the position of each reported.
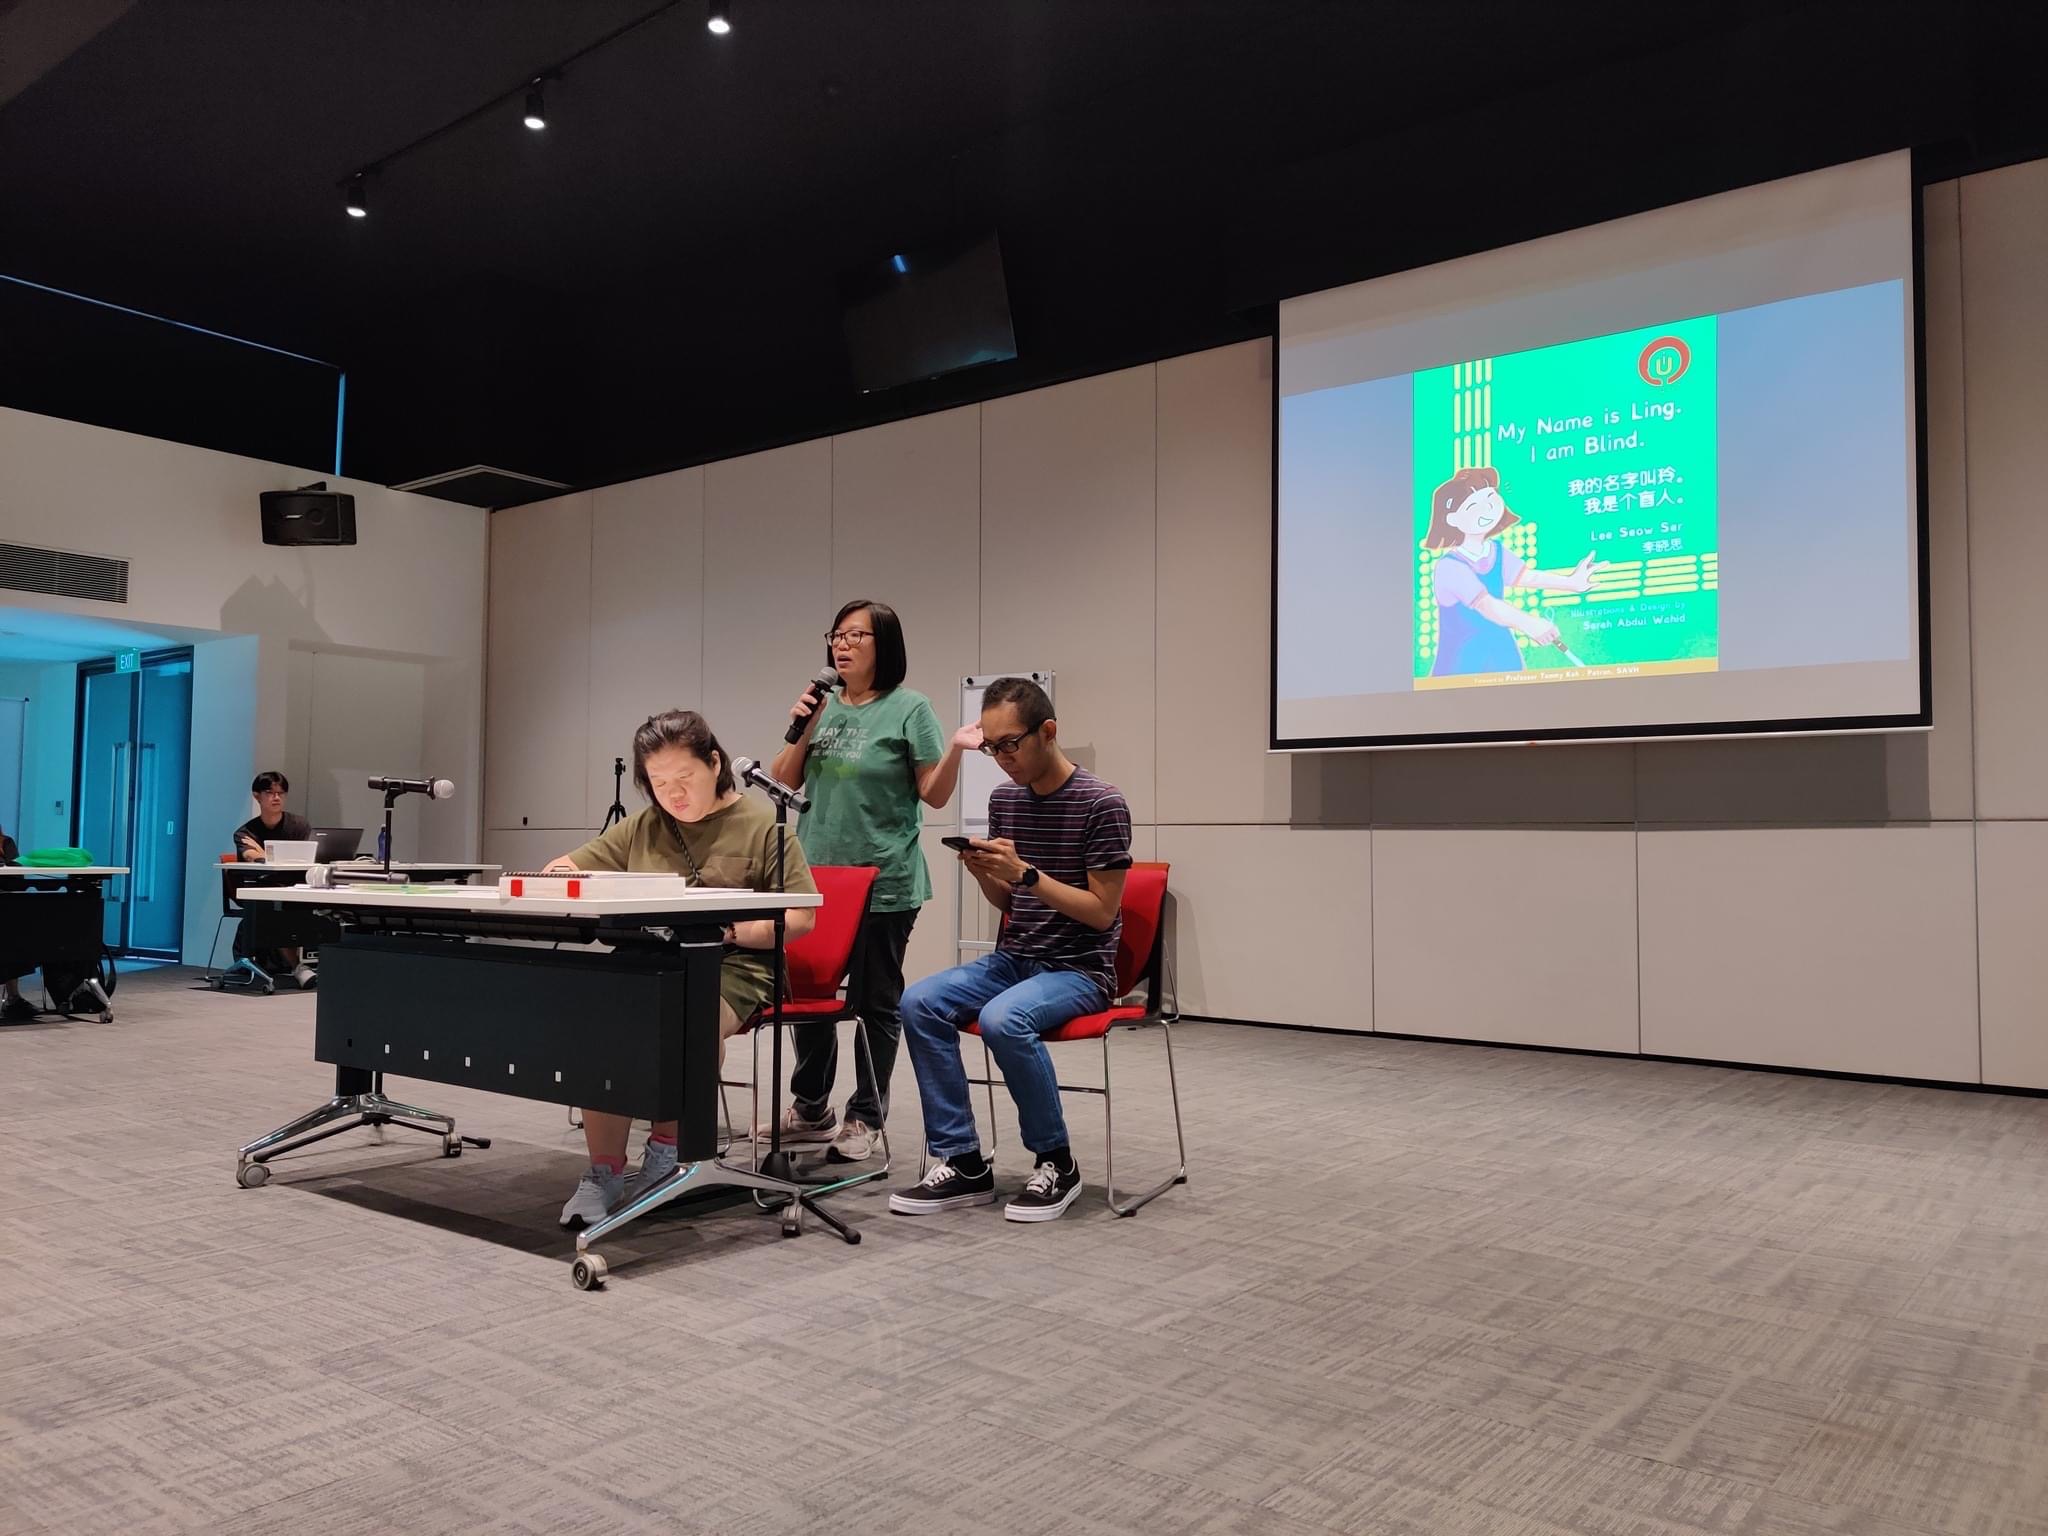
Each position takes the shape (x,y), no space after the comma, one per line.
(1082,825)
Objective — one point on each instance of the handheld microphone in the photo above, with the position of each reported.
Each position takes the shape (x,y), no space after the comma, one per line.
(439,789)
(822,684)
(747,771)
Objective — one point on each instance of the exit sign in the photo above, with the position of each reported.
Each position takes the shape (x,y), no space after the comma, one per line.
(127,661)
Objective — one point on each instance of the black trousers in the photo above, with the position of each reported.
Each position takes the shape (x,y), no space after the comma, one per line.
(879,968)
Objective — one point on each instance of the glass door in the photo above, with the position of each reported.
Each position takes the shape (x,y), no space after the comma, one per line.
(134,774)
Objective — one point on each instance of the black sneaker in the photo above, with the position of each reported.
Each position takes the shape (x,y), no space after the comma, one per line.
(943,1188)
(17,1010)
(1046,1194)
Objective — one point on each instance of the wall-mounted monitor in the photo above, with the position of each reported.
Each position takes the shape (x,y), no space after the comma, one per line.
(1656,477)
(918,314)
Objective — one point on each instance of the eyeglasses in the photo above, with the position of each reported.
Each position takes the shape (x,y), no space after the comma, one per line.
(850,636)
(1008,745)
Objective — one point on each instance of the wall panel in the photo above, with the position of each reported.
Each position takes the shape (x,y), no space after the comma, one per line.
(1506,934)
(537,694)
(1215,563)
(646,619)
(767,589)
(1848,948)
(1067,562)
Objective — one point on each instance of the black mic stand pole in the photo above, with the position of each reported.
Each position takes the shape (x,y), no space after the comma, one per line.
(778,1163)
(618,810)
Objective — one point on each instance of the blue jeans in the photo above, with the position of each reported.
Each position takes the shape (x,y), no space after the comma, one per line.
(1018,1000)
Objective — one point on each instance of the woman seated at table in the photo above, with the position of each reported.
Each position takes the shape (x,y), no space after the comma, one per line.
(698,825)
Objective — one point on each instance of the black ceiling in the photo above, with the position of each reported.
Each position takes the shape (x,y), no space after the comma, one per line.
(652,281)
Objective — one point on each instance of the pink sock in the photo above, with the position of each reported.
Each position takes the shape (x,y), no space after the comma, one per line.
(656,1140)
(611,1165)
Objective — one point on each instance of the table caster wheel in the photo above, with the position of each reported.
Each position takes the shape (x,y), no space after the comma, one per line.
(588,1272)
(252,1175)
(451,1146)
(792,1223)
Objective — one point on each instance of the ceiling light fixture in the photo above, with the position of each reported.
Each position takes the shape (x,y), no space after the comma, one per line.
(536,112)
(721,18)
(358,203)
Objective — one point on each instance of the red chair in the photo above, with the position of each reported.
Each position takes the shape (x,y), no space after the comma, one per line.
(1140,958)
(820,965)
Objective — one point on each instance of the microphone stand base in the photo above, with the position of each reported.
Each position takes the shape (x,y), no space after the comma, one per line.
(784,1166)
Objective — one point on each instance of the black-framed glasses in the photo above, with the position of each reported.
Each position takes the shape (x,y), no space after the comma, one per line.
(850,636)
(1007,745)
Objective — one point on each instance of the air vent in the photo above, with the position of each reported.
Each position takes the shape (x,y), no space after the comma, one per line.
(482,486)
(59,572)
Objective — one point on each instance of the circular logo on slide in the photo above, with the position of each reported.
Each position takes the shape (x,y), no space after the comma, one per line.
(1664,361)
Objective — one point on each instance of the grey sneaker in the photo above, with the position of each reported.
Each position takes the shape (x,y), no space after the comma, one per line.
(596,1193)
(657,1162)
(855,1142)
(797,1131)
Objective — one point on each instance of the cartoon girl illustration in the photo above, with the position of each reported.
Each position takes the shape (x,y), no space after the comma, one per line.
(1473,619)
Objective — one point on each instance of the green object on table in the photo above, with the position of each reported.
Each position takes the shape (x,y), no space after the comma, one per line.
(56,858)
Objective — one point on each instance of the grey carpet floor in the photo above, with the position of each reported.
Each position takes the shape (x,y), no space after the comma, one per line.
(1410,1288)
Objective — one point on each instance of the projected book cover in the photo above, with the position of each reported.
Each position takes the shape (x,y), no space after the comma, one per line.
(1565,511)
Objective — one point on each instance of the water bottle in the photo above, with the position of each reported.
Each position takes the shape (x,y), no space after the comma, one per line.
(383,845)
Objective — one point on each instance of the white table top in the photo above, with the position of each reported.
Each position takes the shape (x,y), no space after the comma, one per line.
(364,866)
(28,872)
(483,899)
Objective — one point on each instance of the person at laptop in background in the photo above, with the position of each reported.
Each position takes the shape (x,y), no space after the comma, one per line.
(699,824)
(273,823)
(14,1008)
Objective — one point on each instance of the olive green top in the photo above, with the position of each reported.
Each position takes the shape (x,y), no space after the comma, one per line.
(734,847)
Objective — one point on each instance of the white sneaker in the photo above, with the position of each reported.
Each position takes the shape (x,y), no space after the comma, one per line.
(596,1193)
(797,1131)
(304,976)
(855,1142)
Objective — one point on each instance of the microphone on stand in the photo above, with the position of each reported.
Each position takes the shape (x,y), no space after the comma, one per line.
(823,683)
(747,771)
(439,789)
(434,789)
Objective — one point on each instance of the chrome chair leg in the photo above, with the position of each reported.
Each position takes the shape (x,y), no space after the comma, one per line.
(1180,1174)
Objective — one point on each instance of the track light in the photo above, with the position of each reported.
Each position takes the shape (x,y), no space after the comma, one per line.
(358,197)
(721,19)
(536,113)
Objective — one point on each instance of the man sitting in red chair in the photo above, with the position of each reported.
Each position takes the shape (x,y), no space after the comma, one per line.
(1055,860)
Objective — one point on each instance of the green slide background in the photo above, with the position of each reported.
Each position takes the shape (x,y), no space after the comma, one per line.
(1465,414)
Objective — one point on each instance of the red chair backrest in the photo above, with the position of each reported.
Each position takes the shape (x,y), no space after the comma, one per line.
(818,962)
(1144,912)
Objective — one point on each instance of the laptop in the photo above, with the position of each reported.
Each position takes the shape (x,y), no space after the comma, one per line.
(336,843)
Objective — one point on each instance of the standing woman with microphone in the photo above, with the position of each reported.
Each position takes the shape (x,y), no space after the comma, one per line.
(871,757)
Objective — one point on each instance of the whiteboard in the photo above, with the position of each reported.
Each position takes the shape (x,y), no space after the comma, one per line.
(979,774)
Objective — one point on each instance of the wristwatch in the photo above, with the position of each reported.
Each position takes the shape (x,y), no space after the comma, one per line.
(1028,879)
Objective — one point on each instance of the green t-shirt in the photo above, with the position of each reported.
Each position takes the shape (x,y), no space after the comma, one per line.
(732,847)
(861,774)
